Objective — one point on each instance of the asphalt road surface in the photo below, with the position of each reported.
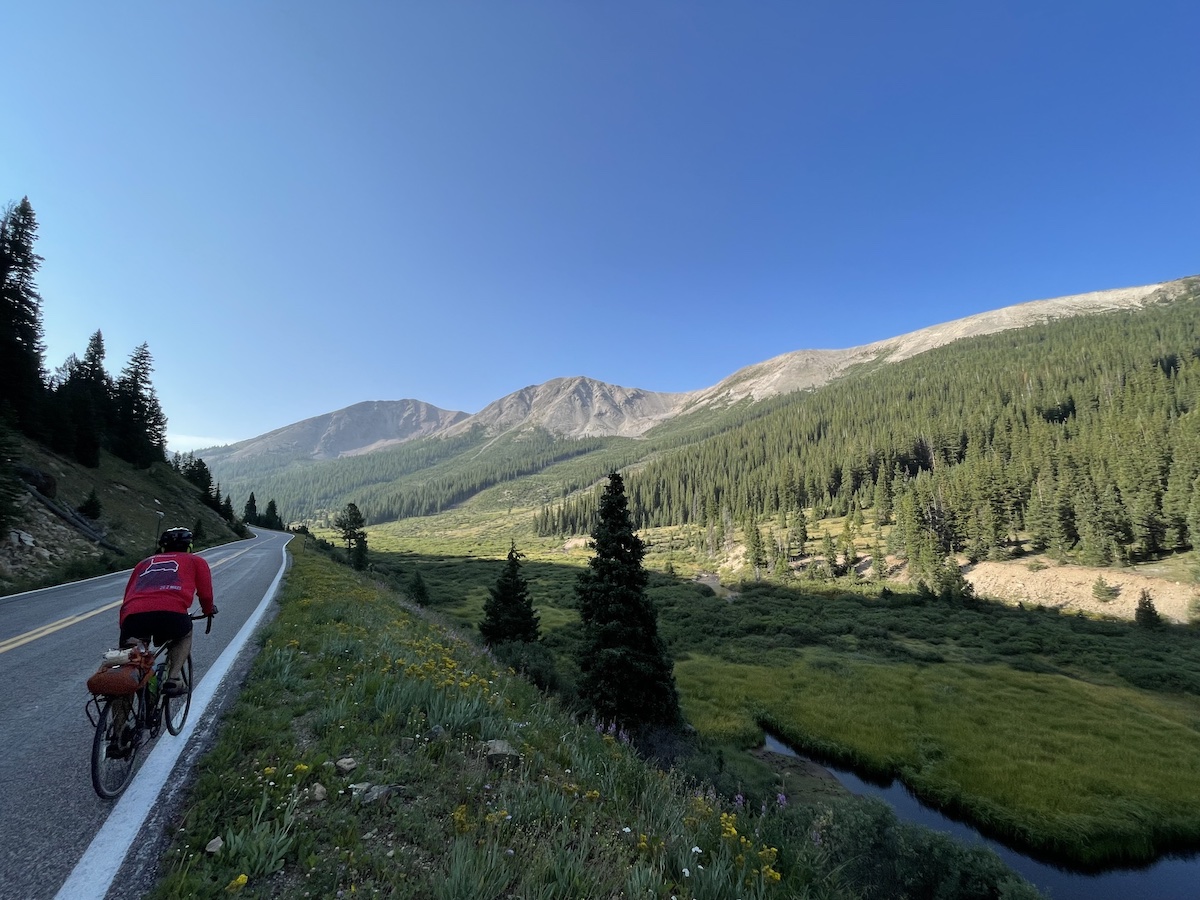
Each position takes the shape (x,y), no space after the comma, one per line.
(50,642)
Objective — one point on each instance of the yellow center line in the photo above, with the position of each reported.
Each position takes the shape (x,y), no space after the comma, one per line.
(21,640)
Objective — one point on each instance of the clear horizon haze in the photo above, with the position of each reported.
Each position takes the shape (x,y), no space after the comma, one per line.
(302,206)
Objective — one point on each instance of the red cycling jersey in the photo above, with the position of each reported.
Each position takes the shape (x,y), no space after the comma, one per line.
(167,582)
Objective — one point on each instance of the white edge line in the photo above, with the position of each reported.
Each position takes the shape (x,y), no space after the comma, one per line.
(94,873)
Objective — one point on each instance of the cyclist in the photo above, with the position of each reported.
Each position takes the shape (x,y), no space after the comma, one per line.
(157,599)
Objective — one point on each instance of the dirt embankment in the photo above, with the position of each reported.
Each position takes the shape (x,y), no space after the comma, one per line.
(1071,589)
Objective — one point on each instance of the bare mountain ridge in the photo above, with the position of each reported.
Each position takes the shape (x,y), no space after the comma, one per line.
(805,369)
(362,428)
(576,407)
(584,407)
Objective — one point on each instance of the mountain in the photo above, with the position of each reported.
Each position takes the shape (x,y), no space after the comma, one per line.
(576,407)
(408,458)
(806,369)
(362,428)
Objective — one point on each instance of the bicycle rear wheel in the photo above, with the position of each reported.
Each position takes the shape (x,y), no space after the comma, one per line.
(177,707)
(114,750)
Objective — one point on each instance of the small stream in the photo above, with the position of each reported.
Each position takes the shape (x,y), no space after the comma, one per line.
(1171,878)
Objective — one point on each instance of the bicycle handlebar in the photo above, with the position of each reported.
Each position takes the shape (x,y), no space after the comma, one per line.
(209,616)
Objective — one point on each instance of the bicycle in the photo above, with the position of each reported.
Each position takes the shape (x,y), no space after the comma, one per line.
(134,676)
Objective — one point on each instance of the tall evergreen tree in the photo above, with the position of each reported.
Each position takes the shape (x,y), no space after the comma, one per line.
(140,429)
(80,409)
(250,512)
(21,350)
(627,674)
(508,612)
(755,555)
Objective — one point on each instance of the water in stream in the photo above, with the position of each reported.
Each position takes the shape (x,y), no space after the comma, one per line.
(1171,878)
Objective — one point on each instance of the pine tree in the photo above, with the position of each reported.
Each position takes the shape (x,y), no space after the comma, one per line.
(358,556)
(349,525)
(140,429)
(627,674)
(1146,615)
(754,548)
(21,350)
(508,612)
(417,591)
(250,512)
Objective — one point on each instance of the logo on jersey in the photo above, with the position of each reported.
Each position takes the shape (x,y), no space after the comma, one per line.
(160,574)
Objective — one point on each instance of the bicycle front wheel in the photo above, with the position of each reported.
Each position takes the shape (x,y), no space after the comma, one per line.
(114,749)
(177,707)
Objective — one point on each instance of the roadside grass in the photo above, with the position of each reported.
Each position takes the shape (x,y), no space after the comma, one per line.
(347,671)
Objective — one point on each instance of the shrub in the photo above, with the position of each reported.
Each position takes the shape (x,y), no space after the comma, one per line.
(90,508)
(1146,615)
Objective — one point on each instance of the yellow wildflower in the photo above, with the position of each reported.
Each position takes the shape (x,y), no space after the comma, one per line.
(237,884)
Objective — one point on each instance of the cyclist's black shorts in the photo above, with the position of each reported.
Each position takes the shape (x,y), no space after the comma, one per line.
(159,626)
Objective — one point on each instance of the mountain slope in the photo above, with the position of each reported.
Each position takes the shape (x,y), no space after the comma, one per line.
(805,369)
(584,407)
(395,444)
(361,428)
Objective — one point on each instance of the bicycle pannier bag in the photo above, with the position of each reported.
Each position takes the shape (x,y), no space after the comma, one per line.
(116,678)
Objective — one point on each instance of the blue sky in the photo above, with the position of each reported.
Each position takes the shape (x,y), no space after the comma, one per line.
(303,205)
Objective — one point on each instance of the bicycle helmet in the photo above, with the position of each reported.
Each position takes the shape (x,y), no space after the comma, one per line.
(175,540)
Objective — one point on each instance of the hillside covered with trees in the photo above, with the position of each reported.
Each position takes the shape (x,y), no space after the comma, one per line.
(80,418)
(1083,434)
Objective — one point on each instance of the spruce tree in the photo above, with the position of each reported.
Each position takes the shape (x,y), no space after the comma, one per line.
(140,429)
(358,556)
(1146,614)
(508,612)
(417,591)
(627,674)
(349,524)
(21,349)
(755,555)
(250,512)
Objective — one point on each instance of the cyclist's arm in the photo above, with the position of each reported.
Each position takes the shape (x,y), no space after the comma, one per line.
(204,588)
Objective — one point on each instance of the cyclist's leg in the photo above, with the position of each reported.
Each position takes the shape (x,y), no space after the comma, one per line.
(177,654)
(175,630)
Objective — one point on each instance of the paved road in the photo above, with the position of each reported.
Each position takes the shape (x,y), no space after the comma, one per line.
(50,642)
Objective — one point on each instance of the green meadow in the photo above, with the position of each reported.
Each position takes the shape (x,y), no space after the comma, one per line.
(363,757)
(1072,738)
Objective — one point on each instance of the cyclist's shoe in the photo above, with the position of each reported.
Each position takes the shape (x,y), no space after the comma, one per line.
(174,687)
(117,751)
(119,747)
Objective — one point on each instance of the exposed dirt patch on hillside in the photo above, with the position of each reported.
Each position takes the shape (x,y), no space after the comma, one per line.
(1070,589)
